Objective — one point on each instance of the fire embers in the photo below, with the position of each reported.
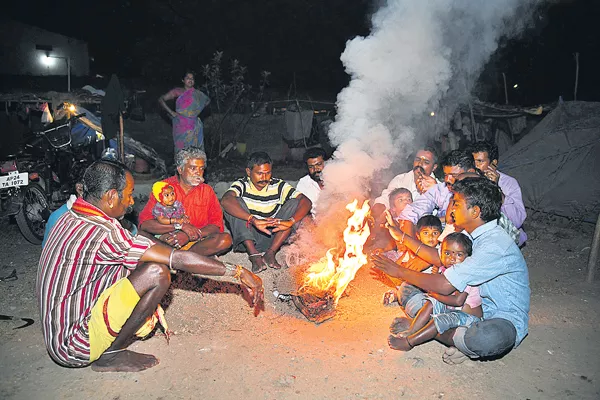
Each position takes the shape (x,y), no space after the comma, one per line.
(316,309)
(326,280)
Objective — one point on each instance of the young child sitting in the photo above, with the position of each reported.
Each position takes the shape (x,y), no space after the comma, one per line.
(168,210)
(399,198)
(410,297)
(441,313)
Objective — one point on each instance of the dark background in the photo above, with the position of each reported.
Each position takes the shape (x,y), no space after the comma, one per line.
(300,42)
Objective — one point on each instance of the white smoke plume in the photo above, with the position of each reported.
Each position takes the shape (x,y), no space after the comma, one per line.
(421,56)
(419,53)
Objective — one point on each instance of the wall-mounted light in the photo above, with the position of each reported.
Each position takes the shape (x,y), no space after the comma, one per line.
(49,60)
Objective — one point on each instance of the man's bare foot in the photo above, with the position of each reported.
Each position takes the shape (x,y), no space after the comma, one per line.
(453,356)
(399,343)
(399,325)
(258,263)
(124,361)
(270,259)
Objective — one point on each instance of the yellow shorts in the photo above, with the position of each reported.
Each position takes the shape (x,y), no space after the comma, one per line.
(112,309)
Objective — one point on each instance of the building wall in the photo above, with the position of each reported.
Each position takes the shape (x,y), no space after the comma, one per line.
(19,56)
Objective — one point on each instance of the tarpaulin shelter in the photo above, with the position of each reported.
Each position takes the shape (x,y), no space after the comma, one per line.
(557,163)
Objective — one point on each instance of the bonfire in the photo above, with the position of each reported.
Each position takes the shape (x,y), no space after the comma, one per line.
(326,280)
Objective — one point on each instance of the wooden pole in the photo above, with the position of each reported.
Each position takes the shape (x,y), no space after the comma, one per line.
(592,261)
(505,89)
(121,141)
(576,75)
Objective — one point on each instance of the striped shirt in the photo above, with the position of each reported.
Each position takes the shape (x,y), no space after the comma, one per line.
(266,202)
(86,252)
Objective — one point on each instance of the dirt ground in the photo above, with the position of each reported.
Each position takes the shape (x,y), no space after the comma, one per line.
(221,351)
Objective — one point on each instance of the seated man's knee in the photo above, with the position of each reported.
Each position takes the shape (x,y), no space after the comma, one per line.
(157,273)
(490,338)
(225,241)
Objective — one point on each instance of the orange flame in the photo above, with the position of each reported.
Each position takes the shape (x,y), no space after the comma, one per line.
(333,276)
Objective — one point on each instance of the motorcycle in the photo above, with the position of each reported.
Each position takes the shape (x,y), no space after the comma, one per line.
(40,177)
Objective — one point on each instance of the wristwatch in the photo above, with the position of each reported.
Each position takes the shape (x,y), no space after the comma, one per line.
(178,226)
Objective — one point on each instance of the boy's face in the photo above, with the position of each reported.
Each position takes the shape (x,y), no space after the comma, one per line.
(168,196)
(452,253)
(429,235)
(400,202)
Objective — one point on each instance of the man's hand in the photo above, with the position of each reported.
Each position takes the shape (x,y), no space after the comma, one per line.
(384,264)
(424,183)
(254,285)
(175,239)
(492,174)
(192,232)
(283,225)
(263,224)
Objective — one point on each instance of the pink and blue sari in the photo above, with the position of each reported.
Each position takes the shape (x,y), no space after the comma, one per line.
(188,129)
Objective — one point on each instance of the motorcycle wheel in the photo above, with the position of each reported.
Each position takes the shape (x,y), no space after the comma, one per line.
(29,219)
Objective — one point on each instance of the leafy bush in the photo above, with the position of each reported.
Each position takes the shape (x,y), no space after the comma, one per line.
(228,96)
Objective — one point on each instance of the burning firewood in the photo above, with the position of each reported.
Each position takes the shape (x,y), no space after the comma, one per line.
(325,281)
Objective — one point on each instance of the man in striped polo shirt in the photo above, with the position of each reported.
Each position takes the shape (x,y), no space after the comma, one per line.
(98,286)
(261,212)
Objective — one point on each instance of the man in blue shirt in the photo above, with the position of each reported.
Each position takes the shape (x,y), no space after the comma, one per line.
(497,267)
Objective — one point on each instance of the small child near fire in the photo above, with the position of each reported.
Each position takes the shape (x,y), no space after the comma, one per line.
(168,210)
(440,312)
(410,297)
(399,198)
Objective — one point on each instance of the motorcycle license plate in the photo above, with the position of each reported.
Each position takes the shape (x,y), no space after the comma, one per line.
(14,179)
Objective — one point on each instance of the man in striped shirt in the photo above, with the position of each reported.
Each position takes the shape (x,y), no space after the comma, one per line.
(261,211)
(97,285)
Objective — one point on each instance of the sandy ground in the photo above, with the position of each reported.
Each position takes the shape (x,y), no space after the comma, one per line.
(220,350)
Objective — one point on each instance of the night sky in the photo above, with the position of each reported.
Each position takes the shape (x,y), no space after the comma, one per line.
(303,39)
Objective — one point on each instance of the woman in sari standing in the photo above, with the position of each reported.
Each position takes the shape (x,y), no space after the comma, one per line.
(189,103)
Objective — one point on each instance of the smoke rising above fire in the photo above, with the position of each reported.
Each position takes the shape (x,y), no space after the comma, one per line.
(421,56)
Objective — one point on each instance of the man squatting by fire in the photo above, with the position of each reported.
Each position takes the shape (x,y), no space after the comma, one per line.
(99,287)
